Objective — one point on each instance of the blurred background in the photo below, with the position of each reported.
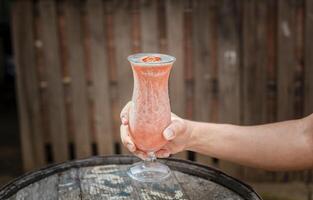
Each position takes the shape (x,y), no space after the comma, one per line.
(64,76)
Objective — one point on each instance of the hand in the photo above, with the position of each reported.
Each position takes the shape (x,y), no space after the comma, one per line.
(178,135)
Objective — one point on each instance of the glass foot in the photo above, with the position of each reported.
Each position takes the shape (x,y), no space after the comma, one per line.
(149,171)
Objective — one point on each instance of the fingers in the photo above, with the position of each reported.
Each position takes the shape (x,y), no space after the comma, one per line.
(177,126)
(163,153)
(124,113)
(126,138)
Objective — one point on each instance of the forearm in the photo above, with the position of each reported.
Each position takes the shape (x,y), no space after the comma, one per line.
(278,146)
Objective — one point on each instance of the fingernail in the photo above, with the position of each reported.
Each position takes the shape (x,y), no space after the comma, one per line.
(124,120)
(168,133)
(131,147)
(165,155)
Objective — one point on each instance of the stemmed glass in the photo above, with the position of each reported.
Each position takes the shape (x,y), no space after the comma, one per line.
(150,112)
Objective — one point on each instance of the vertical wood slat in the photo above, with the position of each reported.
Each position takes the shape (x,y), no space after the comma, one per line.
(174,23)
(149,33)
(122,38)
(27,69)
(55,93)
(229,70)
(99,64)
(23,10)
(254,69)
(308,70)
(113,92)
(286,59)
(78,81)
(202,56)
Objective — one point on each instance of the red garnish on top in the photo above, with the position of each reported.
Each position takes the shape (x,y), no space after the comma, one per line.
(151,59)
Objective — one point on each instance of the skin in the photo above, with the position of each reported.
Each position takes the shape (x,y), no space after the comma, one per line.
(278,146)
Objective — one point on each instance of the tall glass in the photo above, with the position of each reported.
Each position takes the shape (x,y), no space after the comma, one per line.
(150,112)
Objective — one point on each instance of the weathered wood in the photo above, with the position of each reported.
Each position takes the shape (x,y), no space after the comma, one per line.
(148,19)
(229,69)
(175,9)
(211,191)
(108,182)
(69,186)
(286,59)
(19,11)
(78,79)
(55,93)
(27,85)
(308,68)
(43,189)
(99,64)
(122,30)
(105,177)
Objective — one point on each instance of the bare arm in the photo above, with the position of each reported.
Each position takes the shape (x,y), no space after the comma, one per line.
(279,146)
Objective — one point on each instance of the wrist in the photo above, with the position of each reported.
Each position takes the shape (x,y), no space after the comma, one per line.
(193,135)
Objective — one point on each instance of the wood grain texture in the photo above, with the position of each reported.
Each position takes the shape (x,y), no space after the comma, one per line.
(229,70)
(308,68)
(99,65)
(174,19)
(55,93)
(122,33)
(69,186)
(43,189)
(106,178)
(286,59)
(148,19)
(23,10)
(78,80)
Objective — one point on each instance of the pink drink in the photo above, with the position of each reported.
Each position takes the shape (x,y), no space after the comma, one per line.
(150,113)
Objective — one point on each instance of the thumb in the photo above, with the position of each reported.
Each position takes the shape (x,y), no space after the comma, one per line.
(176,127)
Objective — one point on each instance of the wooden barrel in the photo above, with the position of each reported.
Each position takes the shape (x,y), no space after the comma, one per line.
(106,178)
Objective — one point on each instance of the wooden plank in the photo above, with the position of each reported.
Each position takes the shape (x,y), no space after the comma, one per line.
(52,65)
(122,30)
(18,29)
(308,70)
(203,28)
(111,51)
(229,70)
(161,24)
(195,190)
(32,82)
(106,182)
(43,189)
(174,23)
(78,84)
(148,19)
(286,59)
(68,186)
(135,26)
(99,64)
(254,70)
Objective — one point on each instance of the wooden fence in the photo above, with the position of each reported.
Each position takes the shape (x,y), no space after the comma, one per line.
(242,62)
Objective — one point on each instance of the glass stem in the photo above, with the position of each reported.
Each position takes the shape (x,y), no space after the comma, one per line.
(151,157)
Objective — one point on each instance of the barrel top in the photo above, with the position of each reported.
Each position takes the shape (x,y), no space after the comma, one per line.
(106,178)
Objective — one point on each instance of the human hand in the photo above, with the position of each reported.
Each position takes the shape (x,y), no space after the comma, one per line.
(178,135)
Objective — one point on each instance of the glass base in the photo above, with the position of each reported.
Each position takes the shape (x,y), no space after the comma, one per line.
(149,171)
